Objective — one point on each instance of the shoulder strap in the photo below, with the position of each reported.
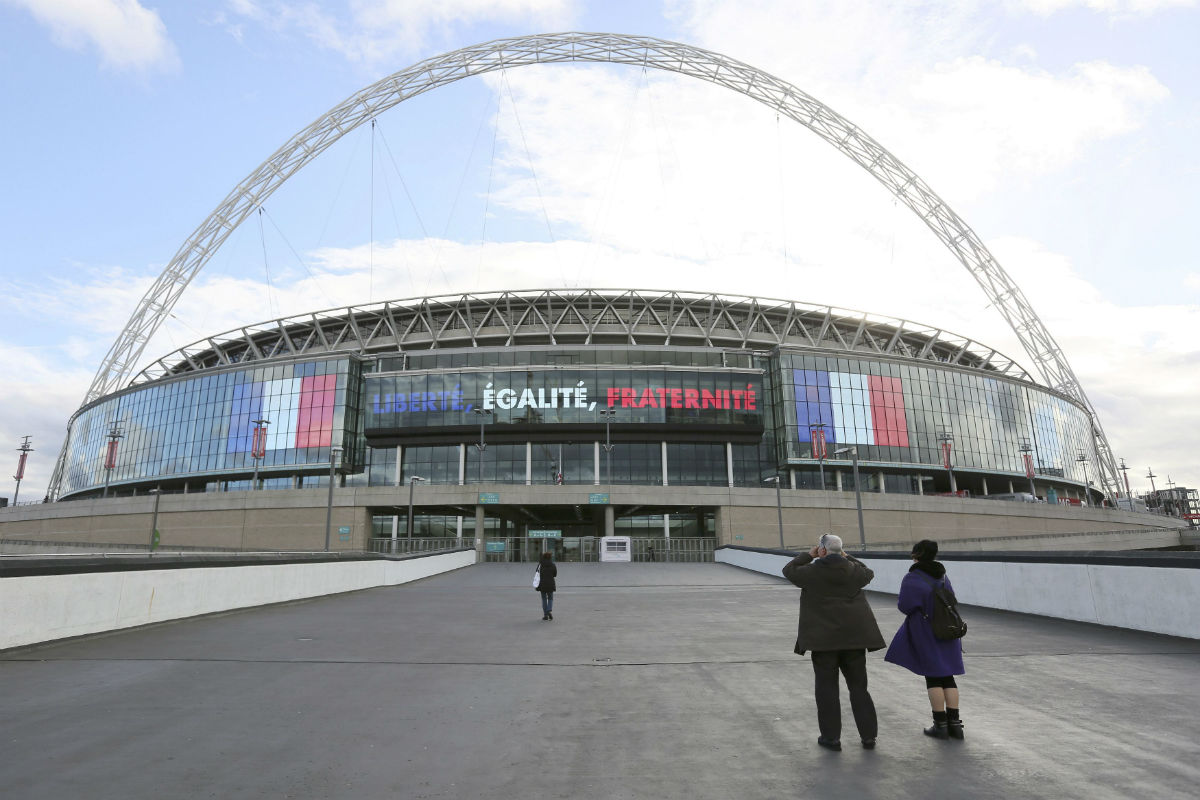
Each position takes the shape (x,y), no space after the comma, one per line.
(939,582)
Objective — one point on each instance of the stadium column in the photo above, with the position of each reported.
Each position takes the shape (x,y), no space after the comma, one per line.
(729,463)
(462,464)
(609,520)
(664,465)
(480,533)
(529,463)
(596,462)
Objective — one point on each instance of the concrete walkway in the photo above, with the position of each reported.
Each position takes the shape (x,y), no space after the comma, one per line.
(653,681)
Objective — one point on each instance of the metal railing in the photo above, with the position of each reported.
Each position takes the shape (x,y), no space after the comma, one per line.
(584,549)
(405,546)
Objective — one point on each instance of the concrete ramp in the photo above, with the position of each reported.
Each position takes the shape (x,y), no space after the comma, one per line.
(652,681)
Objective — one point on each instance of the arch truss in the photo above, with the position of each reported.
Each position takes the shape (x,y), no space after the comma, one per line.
(640,51)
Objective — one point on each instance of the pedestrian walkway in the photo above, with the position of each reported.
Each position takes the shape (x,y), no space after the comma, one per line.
(652,681)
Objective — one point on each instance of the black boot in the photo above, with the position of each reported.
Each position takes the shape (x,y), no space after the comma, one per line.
(954,725)
(940,729)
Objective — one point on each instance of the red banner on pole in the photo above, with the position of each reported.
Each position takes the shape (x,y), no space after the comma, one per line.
(818,444)
(946,454)
(21,467)
(1028,465)
(259,448)
(110,460)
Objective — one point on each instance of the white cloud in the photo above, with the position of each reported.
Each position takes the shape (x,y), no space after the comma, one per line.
(376,32)
(127,35)
(1115,8)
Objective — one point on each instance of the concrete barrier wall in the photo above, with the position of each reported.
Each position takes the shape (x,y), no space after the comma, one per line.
(47,607)
(1154,599)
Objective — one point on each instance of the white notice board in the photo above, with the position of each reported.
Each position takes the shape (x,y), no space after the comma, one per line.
(616,548)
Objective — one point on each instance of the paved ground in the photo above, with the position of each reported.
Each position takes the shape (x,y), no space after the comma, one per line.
(653,681)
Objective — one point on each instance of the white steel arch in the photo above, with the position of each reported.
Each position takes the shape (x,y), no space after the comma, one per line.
(641,51)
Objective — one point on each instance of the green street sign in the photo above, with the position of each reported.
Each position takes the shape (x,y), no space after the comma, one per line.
(489,498)
(598,499)
(545,534)
(344,533)
(494,547)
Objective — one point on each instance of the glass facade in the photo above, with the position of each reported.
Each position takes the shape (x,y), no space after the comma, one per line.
(894,413)
(205,425)
(686,417)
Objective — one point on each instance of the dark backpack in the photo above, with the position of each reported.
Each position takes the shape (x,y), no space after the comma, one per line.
(947,623)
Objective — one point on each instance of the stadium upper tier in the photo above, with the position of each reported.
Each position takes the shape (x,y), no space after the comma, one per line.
(589,317)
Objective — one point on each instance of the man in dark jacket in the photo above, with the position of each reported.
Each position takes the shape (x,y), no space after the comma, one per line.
(837,625)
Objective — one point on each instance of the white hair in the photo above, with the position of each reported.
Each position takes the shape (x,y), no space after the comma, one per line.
(831,543)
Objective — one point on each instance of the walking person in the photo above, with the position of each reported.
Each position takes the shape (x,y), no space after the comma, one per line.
(546,585)
(837,625)
(915,647)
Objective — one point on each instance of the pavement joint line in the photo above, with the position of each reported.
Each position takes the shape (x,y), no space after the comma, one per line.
(589,663)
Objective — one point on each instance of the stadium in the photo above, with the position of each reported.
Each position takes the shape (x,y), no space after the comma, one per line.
(519,420)
(572,415)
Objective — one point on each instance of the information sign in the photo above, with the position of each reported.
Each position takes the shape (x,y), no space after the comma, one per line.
(494,547)
(598,499)
(344,533)
(489,498)
(545,534)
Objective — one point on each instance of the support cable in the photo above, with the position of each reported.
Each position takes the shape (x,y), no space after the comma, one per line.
(783,218)
(529,159)
(458,194)
(487,199)
(316,281)
(371,211)
(266,264)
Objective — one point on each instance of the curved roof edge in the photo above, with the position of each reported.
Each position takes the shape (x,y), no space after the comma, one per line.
(599,317)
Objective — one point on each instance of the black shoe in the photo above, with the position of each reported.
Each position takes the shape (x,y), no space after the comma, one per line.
(955,729)
(545,617)
(938,731)
(550,615)
(868,744)
(832,744)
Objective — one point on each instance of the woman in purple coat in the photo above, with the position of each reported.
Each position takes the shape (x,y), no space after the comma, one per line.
(915,648)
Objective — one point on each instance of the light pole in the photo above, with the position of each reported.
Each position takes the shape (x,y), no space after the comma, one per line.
(1150,474)
(1081,458)
(483,413)
(24,450)
(862,531)
(1125,473)
(258,447)
(946,438)
(608,414)
(1027,456)
(157,492)
(778,505)
(816,438)
(115,434)
(412,482)
(334,452)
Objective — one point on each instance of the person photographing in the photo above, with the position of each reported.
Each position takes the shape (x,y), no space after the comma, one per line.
(838,626)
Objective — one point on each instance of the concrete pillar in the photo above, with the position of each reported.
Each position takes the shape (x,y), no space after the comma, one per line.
(837,473)
(596,462)
(529,463)
(480,534)
(399,480)
(666,526)
(1010,488)
(882,483)
(609,520)
(664,465)
(462,464)
(792,477)
(920,485)
(459,526)
(985,491)
(729,462)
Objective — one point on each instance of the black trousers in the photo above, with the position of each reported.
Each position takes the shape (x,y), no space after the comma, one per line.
(853,664)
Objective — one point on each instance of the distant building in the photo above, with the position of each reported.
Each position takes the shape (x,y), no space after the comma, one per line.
(1178,501)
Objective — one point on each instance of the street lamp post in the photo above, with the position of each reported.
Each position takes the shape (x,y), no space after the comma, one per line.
(412,482)
(334,452)
(1081,458)
(608,414)
(818,445)
(1125,473)
(157,492)
(1027,455)
(862,531)
(258,447)
(483,413)
(946,438)
(24,450)
(778,505)
(115,434)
